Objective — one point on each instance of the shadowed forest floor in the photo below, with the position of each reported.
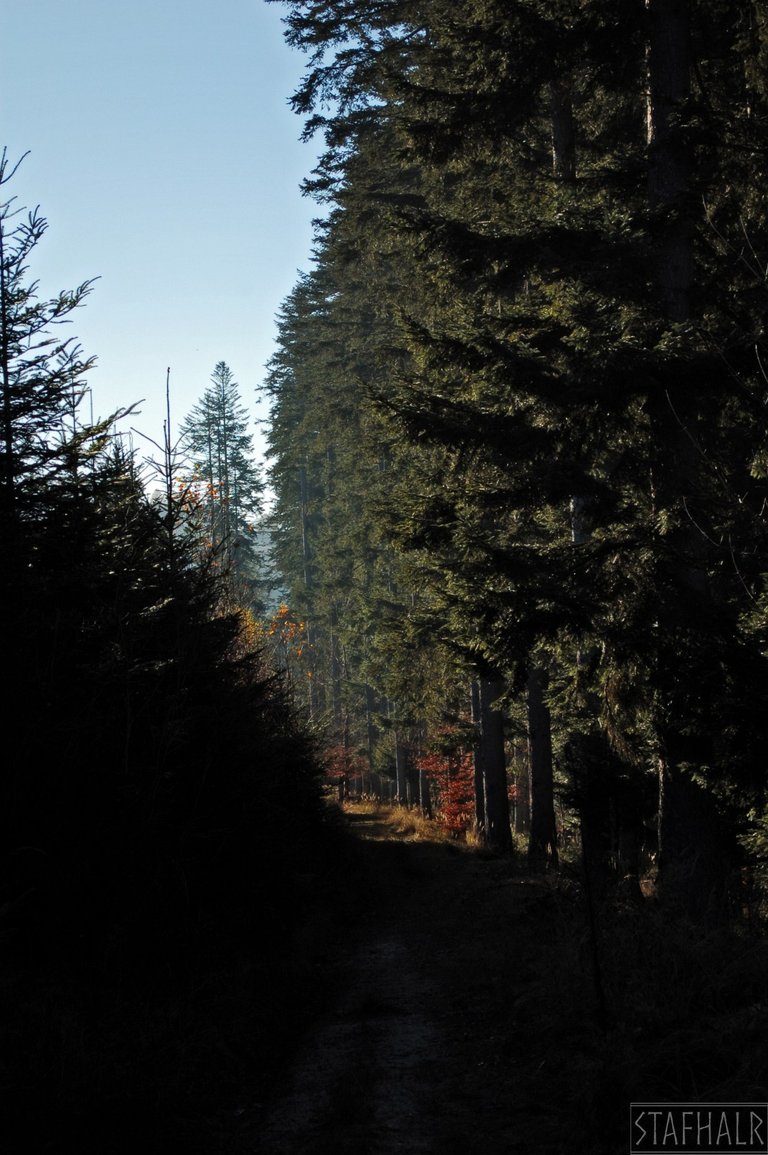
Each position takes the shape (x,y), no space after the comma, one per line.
(445,1030)
(423,998)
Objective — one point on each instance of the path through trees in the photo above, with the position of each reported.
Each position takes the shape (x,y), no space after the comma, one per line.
(463,1016)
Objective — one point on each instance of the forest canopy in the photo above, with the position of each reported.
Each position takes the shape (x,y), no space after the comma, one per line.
(518,431)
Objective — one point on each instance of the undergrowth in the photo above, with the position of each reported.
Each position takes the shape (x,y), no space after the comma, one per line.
(660,1011)
(639,1007)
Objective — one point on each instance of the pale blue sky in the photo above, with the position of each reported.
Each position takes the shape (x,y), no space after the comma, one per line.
(167,162)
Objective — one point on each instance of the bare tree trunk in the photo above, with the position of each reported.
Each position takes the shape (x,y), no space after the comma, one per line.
(497,827)
(522,791)
(425,802)
(692,857)
(477,759)
(307,565)
(669,63)
(401,771)
(370,727)
(413,779)
(542,840)
(336,695)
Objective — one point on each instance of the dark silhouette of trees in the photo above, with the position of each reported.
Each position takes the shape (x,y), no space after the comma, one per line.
(146,740)
(42,374)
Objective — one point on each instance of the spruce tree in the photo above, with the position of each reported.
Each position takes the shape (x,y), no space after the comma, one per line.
(573,311)
(215,438)
(43,375)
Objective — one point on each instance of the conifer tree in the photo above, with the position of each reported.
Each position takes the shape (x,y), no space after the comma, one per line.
(572,323)
(215,437)
(43,375)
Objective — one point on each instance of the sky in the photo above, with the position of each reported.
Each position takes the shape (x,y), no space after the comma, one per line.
(167,162)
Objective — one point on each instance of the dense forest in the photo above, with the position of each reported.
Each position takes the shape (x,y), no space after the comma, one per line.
(518,441)
(517,498)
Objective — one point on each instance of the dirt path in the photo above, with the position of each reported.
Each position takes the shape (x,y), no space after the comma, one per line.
(426,1045)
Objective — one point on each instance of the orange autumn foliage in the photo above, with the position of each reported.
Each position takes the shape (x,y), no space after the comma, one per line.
(342,762)
(454,776)
(288,633)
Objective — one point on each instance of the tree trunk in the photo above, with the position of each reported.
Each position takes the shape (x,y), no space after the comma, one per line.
(669,63)
(401,772)
(413,779)
(425,802)
(305,550)
(522,792)
(563,130)
(307,571)
(477,760)
(692,860)
(370,726)
(497,827)
(333,645)
(542,841)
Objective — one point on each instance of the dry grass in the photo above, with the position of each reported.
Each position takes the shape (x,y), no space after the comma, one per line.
(408,825)
(366,807)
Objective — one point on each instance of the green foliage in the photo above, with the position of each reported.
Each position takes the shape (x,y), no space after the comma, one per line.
(225,478)
(42,376)
(554,327)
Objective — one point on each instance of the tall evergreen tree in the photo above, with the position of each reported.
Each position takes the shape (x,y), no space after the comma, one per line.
(571,325)
(215,437)
(42,375)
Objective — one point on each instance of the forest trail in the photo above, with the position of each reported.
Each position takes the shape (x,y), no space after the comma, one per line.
(427,1043)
